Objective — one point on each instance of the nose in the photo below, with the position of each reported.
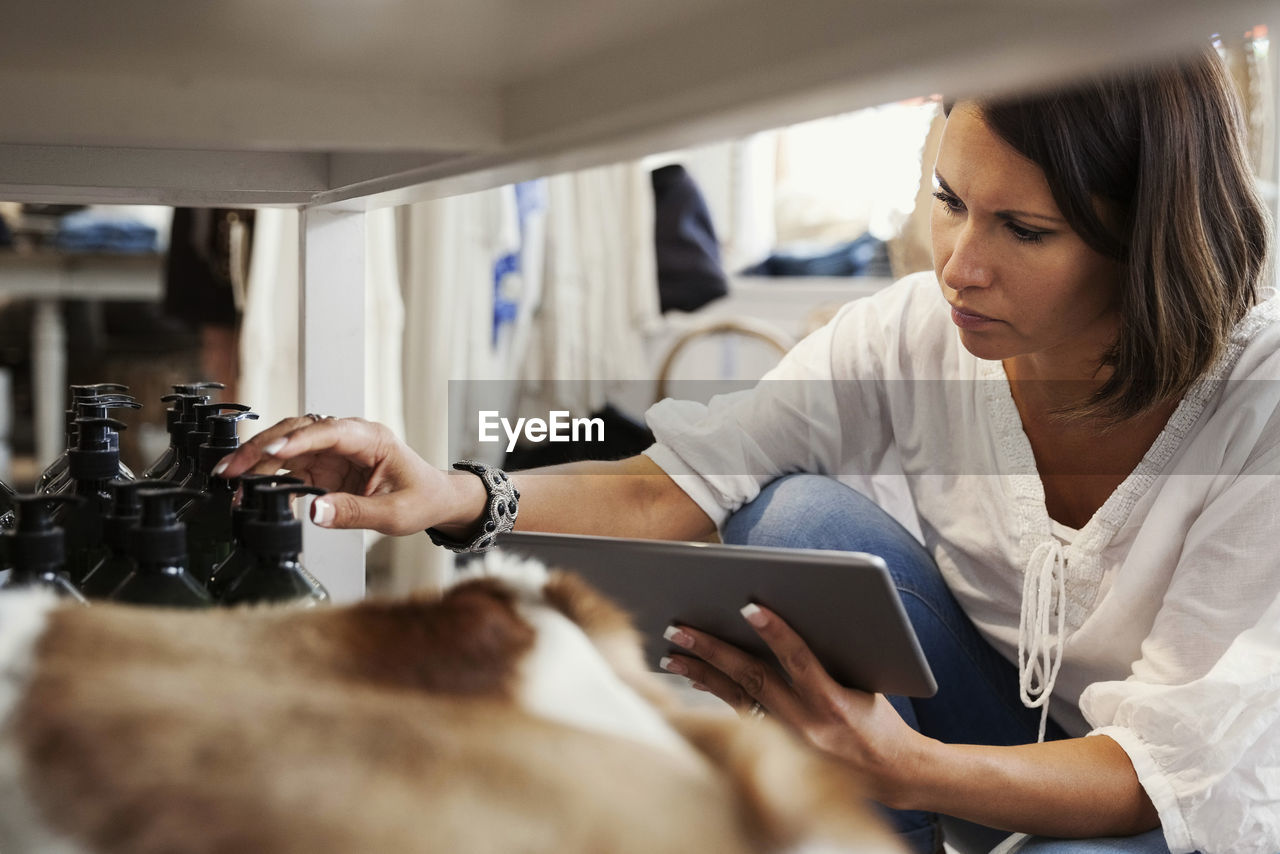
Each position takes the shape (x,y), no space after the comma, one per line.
(970,264)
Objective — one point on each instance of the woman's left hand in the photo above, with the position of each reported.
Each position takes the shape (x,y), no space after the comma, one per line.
(859,727)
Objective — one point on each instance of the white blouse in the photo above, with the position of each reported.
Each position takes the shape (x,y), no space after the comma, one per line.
(1157,623)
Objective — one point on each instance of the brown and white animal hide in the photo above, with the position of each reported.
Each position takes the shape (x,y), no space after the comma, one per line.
(511,714)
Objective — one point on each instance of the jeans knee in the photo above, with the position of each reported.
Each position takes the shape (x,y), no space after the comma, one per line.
(810,511)
(800,511)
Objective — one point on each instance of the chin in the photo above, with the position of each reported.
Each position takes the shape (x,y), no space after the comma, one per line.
(982,347)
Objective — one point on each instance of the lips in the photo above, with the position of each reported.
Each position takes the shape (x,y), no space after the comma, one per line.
(969,313)
(969,319)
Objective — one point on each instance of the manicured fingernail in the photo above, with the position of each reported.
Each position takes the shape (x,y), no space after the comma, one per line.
(274,447)
(321,512)
(671,665)
(698,686)
(220,468)
(678,637)
(753,615)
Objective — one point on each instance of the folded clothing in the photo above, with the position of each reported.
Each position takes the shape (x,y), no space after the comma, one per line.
(865,256)
(91,231)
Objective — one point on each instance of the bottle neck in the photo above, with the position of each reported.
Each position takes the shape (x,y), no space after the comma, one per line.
(278,562)
(92,488)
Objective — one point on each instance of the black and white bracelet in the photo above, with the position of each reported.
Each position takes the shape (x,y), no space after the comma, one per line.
(500,511)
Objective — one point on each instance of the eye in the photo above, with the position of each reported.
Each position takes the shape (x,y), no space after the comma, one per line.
(950,204)
(1025,235)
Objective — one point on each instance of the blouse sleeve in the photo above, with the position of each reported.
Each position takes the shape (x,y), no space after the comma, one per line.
(820,410)
(1208,752)
(1200,714)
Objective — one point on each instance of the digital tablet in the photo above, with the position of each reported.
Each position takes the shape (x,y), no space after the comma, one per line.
(843,604)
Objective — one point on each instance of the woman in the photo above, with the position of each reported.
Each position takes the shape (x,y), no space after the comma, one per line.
(1070,428)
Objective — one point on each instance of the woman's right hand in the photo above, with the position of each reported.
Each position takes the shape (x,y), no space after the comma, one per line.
(374,480)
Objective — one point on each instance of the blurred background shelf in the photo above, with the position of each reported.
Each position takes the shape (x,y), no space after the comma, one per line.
(389,101)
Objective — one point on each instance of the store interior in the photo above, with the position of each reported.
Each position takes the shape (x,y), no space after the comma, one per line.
(576,227)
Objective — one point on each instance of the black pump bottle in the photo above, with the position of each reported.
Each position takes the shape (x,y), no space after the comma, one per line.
(159,548)
(36,547)
(199,436)
(166,464)
(56,470)
(210,538)
(274,540)
(92,407)
(93,463)
(226,573)
(185,462)
(117,529)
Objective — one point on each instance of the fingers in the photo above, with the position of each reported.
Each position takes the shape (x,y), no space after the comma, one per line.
(303,436)
(802,667)
(710,680)
(731,674)
(387,514)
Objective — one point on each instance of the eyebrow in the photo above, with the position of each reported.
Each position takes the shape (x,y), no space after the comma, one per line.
(1003,214)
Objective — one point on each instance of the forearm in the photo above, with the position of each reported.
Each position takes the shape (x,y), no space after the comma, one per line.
(1082,787)
(626,498)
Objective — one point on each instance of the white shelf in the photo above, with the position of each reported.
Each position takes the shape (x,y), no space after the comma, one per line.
(305,102)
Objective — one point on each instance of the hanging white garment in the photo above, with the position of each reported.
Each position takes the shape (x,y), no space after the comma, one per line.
(454,249)
(599,292)
(384,322)
(269,328)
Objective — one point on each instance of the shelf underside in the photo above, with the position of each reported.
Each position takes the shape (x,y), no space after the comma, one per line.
(388,101)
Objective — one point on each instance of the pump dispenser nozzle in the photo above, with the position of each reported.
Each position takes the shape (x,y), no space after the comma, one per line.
(277,530)
(199,434)
(37,548)
(229,570)
(96,455)
(176,464)
(274,540)
(198,387)
(159,547)
(161,536)
(117,527)
(166,465)
(99,406)
(223,438)
(97,389)
(55,478)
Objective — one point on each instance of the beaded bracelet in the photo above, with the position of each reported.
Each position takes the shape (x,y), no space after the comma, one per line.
(500,509)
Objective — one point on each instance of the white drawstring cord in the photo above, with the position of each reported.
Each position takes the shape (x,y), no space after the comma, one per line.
(1044,591)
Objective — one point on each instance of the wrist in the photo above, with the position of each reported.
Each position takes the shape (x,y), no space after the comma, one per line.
(500,506)
(465,502)
(900,780)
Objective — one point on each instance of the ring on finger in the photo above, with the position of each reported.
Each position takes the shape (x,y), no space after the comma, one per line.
(314,417)
(756,711)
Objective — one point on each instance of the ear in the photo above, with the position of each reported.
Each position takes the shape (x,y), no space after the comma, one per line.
(799,799)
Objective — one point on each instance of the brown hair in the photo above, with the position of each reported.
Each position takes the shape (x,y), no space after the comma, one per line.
(1149,168)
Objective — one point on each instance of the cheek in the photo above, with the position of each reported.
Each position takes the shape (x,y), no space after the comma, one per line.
(1089,288)
(941,240)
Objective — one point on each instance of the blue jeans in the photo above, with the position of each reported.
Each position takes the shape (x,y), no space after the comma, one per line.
(977,700)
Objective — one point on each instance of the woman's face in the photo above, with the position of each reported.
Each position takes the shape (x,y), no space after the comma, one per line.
(1022,285)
